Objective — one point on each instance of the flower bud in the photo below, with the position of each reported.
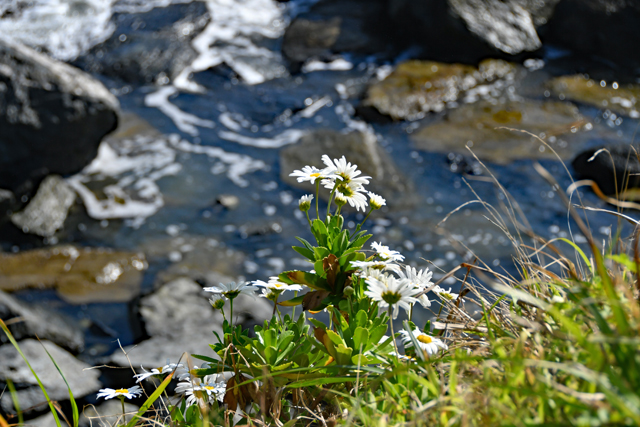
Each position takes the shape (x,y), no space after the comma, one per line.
(348,291)
(375,201)
(340,200)
(305,202)
(217,303)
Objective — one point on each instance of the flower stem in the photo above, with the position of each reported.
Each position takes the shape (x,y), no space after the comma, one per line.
(275,305)
(411,313)
(393,334)
(293,312)
(231,311)
(308,219)
(362,223)
(124,415)
(317,198)
(331,198)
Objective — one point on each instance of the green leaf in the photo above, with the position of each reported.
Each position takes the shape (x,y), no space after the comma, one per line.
(205,358)
(319,230)
(362,318)
(343,354)
(74,406)
(298,277)
(361,340)
(376,334)
(307,253)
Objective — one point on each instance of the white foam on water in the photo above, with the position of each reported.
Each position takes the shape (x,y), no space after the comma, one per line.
(63,28)
(339,64)
(237,165)
(135,165)
(186,122)
(229,122)
(289,136)
(142,6)
(315,106)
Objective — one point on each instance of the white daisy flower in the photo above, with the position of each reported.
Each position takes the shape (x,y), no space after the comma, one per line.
(275,284)
(420,280)
(428,344)
(204,390)
(377,264)
(232,290)
(448,295)
(393,293)
(385,253)
(129,393)
(305,202)
(311,173)
(346,171)
(166,369)
(353,194)
(376,201)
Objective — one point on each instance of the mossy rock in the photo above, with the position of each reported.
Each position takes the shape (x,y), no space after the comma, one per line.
(621,99)
(415,88)
(478,126)
(79,275)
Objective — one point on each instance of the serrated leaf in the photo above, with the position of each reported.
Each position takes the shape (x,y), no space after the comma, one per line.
(361,339)
(292,302)
(313,300)
(307,253)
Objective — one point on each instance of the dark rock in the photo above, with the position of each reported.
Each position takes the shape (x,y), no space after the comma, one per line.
(48,209)
(149,47)
(337,26)
(52,118)
(81,379)
(79,275)
(616,167)
(359,148)
(605,30)
(28,321)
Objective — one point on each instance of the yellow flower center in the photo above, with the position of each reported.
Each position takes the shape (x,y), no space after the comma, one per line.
(391,297)
(208,387)
(315,175)
(122,390)
(425,339)
(446,295)
(160,369)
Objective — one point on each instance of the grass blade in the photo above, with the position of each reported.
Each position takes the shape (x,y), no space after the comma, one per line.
(74,406)
(14,398)
(145,406)
(44,391)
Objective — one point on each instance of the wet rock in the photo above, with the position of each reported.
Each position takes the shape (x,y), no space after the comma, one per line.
(201,259)
(108,413)
(359,148)
(508,25)
(614,170)
(48,209)
(228,201)
(613,96)
(29,321)
(79,275)
(415,88)
(149,47)
(479,123)
(81,379)
(605,30)
(52,118)
(336,26)
(179,318)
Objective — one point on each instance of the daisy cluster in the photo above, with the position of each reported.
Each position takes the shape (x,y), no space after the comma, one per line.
(344,180)
(396,287)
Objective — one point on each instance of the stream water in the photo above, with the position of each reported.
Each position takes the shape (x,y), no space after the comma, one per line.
(219,127)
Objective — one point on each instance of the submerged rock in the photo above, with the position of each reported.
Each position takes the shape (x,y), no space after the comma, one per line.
(29,321)
(415,88)
(477,126)
(619,98)
(615,169)
(81,379)
(179,318)
(79,275)
(48,209)
(52,118)
(359,148)
(149,47)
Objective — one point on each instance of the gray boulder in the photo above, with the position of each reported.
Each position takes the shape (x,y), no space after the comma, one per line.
(359,148)
(81,379)
(29,321)
(52,118)
(149,47)
(106,414)
(48,209)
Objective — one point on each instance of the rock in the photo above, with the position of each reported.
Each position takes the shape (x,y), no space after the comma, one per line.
(52,118)
(605,30)
(29,321)
(179,318)
(81,379)
(478,122)
(619,98)
(508,25)
(228,201)
(80,275)
(334,26)
(415,88)
(358,148)
(106,414)
(48,209)
(617,168)
(154,46)
(198,258)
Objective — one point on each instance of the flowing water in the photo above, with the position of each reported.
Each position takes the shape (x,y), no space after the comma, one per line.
(217,128)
